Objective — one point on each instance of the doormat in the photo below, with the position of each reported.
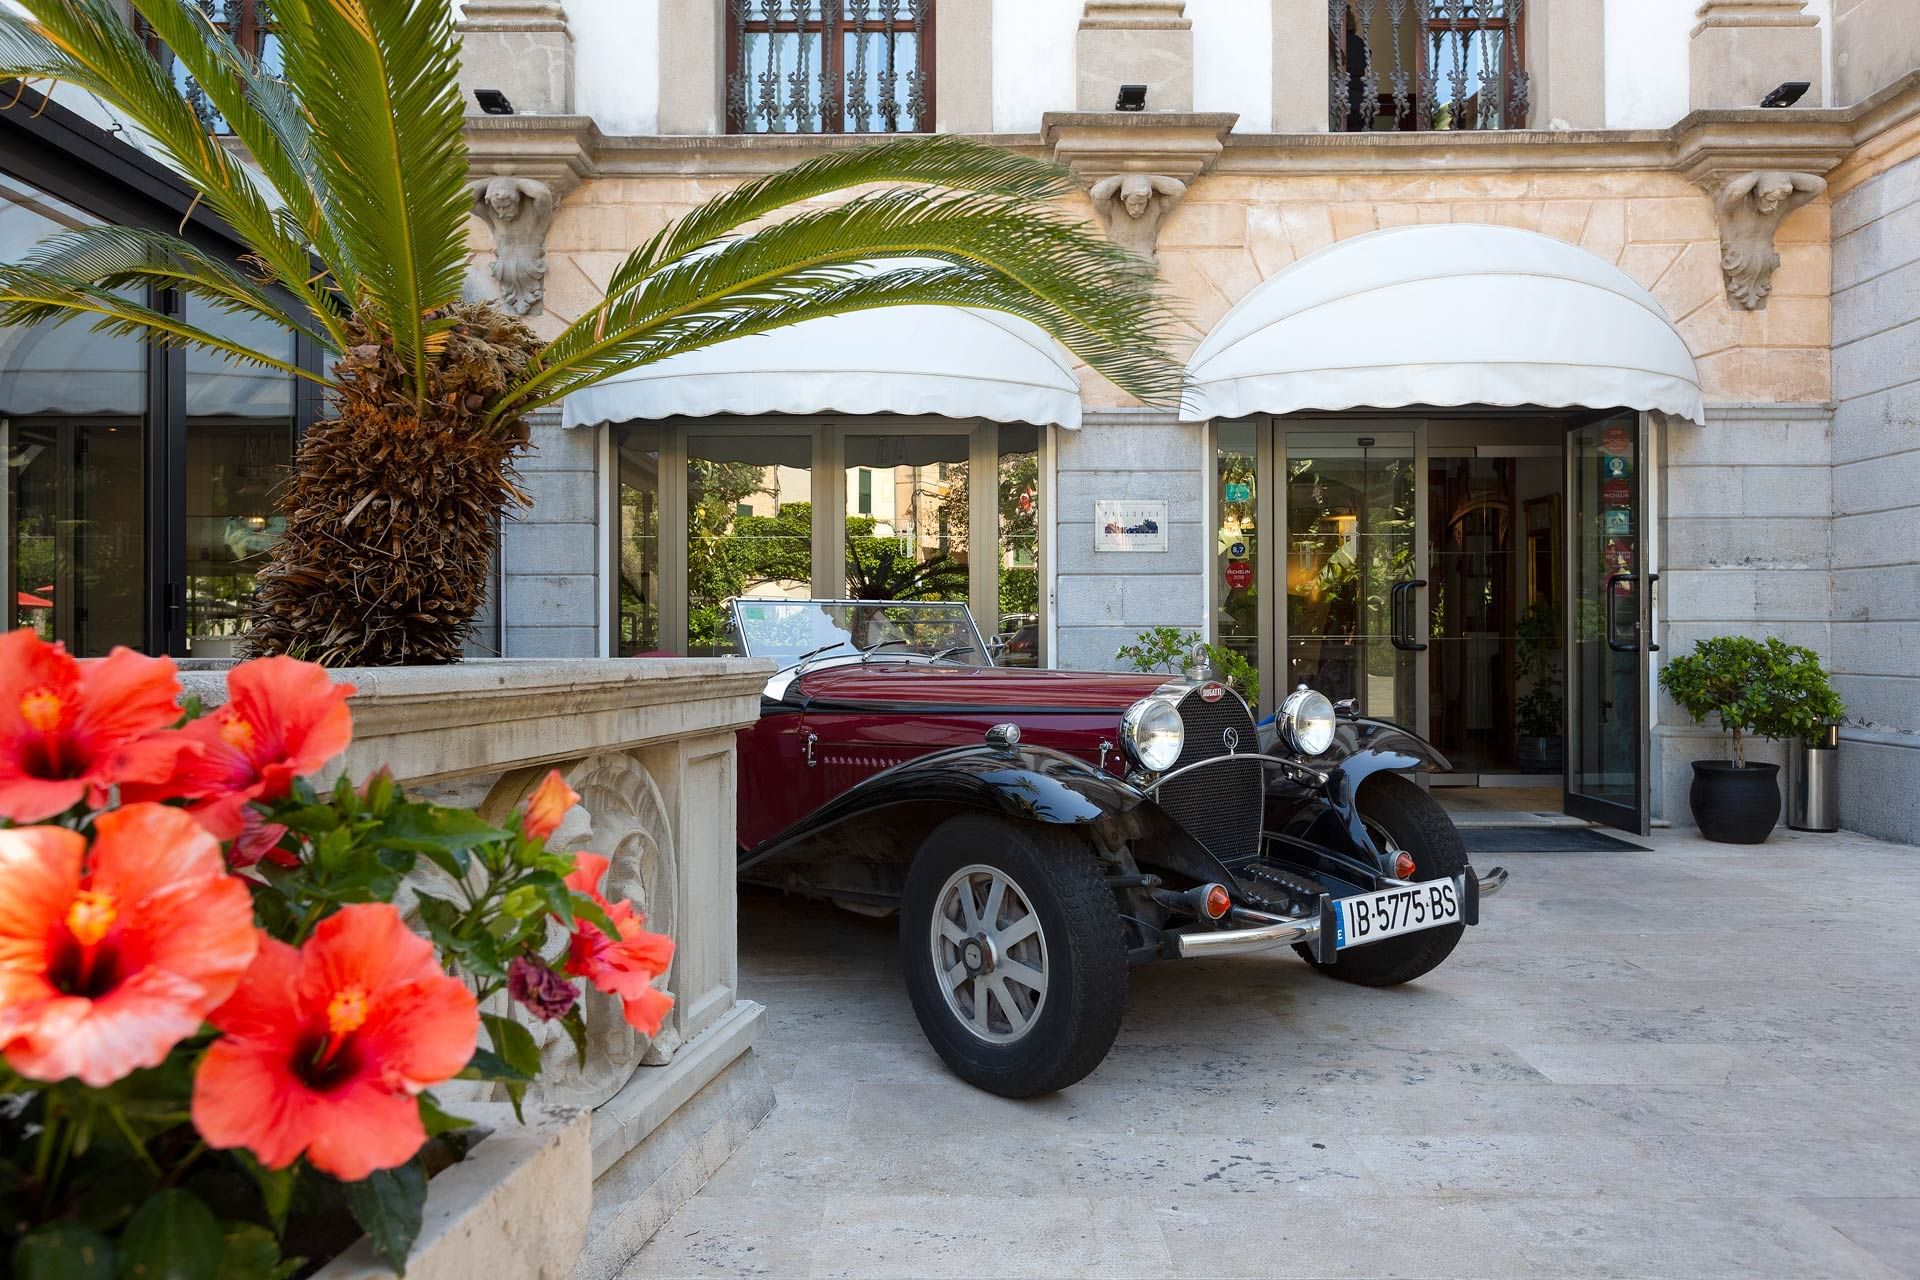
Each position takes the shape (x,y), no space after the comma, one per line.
(1544,840)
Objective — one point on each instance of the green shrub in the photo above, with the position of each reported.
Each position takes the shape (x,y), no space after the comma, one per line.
(1761,687)
(1170,649)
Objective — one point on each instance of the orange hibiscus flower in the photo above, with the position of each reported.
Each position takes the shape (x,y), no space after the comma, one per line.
(326,1046)
(624,966)
(548,805)
(70,729)
(283,719)
(109,959)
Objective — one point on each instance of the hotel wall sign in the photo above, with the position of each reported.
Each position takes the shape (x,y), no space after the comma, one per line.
(1126,524)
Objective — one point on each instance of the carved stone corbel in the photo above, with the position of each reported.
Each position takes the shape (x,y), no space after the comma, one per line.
(1132,206)
(1750,207)
(518,211)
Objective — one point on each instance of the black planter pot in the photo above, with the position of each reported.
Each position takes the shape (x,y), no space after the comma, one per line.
(1732,805)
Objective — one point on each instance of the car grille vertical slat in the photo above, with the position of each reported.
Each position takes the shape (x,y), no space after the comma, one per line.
(1220,806)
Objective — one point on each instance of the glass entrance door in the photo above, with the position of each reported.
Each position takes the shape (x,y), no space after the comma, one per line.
(1355,619)
(1608,622)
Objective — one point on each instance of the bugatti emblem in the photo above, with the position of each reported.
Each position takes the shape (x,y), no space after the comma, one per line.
(1212,692)
(1231,736)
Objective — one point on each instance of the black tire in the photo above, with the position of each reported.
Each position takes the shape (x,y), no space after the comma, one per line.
(1418,824)
(1074,1023)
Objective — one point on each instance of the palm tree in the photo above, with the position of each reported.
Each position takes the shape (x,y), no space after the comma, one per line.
(354,209)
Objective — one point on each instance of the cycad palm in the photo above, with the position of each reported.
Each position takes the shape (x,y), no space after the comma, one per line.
(355,216)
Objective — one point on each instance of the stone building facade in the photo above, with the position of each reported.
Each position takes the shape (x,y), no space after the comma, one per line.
(1787,511)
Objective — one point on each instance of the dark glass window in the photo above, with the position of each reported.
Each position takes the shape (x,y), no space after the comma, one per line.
(829,66)
(1428,64)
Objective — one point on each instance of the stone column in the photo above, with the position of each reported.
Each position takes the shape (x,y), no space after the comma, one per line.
(1566,59)
(523,49)
(1301,70)
(1744,48)
(692,61)
(1146,42)
(963,68)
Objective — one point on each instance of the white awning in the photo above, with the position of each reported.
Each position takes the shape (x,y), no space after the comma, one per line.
(952,361)
(1444,315)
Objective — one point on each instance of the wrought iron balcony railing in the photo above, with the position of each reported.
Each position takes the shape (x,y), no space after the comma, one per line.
(829,66)
(1427,64)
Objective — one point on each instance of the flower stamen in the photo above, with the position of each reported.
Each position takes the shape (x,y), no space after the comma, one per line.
(42,710)
(91,916)
(347,1010)
(236,732)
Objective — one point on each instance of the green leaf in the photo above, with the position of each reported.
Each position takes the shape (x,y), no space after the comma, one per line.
(485,1064)
(514,1043)
(437,1121)
(252,1253)
(424,828)
(585,908)
(388,1206)
(276,1187)
(63,1251)
(576,1028)
(173,1236)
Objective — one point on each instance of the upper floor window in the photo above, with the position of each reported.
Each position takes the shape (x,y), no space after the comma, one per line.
(829,66)
(250,24)
(1427,64)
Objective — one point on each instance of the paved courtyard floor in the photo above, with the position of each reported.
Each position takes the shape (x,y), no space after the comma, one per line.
(1698,1061)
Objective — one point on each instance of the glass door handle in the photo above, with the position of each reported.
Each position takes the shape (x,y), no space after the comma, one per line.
(1400,601)
(1653,596)
(1613,615)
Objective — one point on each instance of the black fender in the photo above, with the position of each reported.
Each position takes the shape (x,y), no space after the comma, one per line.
(1033,784)
(1317,824)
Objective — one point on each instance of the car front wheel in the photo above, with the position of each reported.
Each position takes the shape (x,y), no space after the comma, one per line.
(1014,953)
(1398,814)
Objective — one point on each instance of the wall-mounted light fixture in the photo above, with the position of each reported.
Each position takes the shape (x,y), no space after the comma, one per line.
(493,102)
(1133,97)
(1787,94)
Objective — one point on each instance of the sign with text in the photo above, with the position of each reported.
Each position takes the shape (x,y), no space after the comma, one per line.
(1129,524)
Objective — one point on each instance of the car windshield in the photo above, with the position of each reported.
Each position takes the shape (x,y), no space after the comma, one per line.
(789,630)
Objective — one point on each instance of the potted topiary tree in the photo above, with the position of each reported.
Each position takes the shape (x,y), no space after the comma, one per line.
(1764,688)
(1538,746)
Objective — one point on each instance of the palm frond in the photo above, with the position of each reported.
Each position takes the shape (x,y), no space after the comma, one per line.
(28,297)
(90,44)
(814,293)
(377,81)
(115,258)
(940,160)
(1095,298)
(261,114)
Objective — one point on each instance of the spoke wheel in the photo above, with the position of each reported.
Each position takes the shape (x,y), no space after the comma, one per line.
(991,953)
(1013,952)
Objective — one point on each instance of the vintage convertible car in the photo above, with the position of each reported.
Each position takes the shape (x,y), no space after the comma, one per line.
(1039,832)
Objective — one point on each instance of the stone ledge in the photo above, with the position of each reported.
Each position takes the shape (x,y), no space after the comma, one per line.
(518,1205)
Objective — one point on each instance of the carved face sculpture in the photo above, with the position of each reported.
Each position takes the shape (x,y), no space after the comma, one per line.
(503,197)
(1136,193)
(1772,193)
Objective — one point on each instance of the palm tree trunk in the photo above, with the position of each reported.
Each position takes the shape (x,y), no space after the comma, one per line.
(393,518)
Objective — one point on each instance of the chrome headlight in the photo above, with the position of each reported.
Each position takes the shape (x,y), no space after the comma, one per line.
(1306,721)
(1153,735)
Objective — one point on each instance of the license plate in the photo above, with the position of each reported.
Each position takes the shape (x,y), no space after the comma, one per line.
(1390,912)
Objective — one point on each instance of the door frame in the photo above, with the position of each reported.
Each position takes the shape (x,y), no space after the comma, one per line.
(1635,819)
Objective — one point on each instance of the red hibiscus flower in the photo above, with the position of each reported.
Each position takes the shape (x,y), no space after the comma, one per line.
(548,805)
(70,729)
(283,719)
(326,1046)
(624,966)
(109,959)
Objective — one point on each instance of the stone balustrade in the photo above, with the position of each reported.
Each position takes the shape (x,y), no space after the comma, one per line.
(649,745)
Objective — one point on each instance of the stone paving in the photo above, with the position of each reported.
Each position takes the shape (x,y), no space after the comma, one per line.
(1698,1061)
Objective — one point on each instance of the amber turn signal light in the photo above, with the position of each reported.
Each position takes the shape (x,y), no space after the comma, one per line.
(1403,866)
(1218,902)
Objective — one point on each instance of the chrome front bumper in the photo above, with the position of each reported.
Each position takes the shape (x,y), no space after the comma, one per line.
(1264,932)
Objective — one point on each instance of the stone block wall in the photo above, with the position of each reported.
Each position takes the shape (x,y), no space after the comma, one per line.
(550,562)
(1103,599)
(1876,487)
(1744,549)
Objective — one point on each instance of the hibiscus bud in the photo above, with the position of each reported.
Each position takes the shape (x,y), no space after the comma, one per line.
(521,903)
(544,993)
(548,805)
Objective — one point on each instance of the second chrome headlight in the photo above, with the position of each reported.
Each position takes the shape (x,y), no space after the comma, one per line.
(1306,721)
(1153,734)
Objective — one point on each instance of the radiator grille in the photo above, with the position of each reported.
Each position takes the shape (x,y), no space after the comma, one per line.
(1220,806)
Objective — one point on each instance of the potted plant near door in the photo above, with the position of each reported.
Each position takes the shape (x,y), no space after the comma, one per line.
(1764,688)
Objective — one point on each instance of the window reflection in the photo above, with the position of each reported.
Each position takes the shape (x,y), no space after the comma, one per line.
(909,540)
(749,527)
(73,432)
(637,608)
(1020,622)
